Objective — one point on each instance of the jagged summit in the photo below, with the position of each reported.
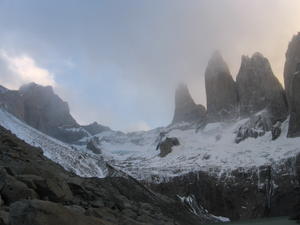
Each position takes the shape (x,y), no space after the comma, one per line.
(33,85)
(217,65)
(186,110)
(221,92)
(292,83)
(258,88)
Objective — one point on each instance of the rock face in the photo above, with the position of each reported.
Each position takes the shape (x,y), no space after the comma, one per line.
(36,191)
(291,64)
(45,111)
(259,89)
(255,127)
(242,193)
(221,91)
(292,85)
(294,123)
(185,108)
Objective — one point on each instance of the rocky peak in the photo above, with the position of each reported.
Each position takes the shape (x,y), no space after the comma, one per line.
(185,108)
(221,92)
(34,86)
(42,109)
(292,64)
(217,65)
(182,95)
(259,88)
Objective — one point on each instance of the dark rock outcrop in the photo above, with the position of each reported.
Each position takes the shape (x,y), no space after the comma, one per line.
(166,145)
(294,123)
(36,191)
(259,89)
(221,91)
(255,127)
(185,108)
(291,63)
(276,130)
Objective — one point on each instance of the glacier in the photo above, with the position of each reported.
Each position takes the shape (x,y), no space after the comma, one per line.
(211,149)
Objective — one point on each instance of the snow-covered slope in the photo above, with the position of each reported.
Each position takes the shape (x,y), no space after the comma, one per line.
(82,163)
(212,149)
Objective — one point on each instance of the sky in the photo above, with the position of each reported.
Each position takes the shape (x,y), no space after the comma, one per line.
(118,62)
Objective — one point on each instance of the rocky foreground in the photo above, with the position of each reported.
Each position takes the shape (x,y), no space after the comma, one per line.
(36,191)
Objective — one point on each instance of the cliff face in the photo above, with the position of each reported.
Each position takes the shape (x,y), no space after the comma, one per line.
(42,109)
(294,123)
(241,194)
(185,108)
(221,91)
(259,89)
(292,84)
(291,64)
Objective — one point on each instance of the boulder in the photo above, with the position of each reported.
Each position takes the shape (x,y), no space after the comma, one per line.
(166,146)
(294,123)
(291,63)
(259,88)
(37,212)
(185,108)
(221,91)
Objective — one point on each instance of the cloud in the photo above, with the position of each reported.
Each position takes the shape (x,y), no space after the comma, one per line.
(139,126)
(121,60)
(18,70)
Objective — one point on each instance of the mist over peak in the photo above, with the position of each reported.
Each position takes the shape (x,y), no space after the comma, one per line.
(114,61)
